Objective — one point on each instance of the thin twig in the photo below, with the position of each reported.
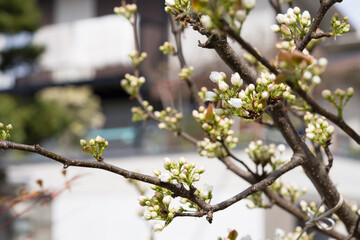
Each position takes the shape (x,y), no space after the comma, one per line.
(324,7)
(226,28)
(296,160)
(177,189)
(176,30)
(339,121)
(236,158)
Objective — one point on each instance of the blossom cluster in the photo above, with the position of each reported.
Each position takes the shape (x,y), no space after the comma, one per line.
(280,234)
(311,75)
(306,207)
(342,97)
(292,191)
(235,13)
(338,27)
(5,132)
(94,147)
(181,171)
(136,59)
(318,129)
(167,48)
(158,206)
(186,73)
(293,24)
(132,84)
(177,6)
(170,118)
(248,103)
(262,154)
(218,129)
(127,10)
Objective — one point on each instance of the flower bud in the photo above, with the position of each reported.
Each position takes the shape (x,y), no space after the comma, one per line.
(350,92)
(166,200)
(9,127)
(83,142)
(249,4)
(223,86)
(240,15)
(236,80)
(216,77)
(275,28)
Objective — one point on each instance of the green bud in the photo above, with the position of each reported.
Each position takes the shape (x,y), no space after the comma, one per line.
(83,142)
(9,127)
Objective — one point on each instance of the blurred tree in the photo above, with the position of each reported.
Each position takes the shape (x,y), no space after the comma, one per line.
(17,16)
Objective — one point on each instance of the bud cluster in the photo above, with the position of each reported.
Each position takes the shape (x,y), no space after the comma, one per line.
(136,59)
(342,97)
(186,73)
(94,147)
(248,103)
(5,131)
(180,171)
(263,155)
(170,119)
(338,27)
(306,207)
(138,114)
(292,191)
(311,75)
(218,129)
(158,206)
(293,24)
(126,10)
(167,48)
(280,234)
(132,84)
(318,129)
(177,6)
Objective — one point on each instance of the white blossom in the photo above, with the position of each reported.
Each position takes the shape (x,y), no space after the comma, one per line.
(240,15)
(166,200)
(323,62)
(206,21)
(326,93)
(164,177)
(249,4)
(210,96)
(170,3)
(158,227)
(280,18)
(223,86)
(216,76)
(275,28)
(235,102)
(316,79)
(265,95)
(236,80)
(281,148)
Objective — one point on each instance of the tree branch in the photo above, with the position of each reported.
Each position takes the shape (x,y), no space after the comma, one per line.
(176,30)
(296,160)
(339,121)
(325,5)
(226,28)
(177,189)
